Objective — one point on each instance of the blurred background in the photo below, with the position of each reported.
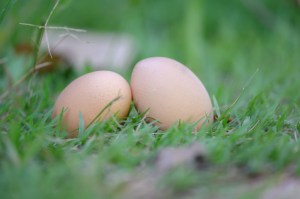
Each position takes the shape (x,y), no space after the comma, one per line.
(225,44)
(240,49)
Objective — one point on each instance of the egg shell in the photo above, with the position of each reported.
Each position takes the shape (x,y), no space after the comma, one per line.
(169,92)
(89,95)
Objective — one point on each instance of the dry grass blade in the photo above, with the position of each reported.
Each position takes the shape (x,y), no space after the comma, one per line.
(35,67)
(37,45)
(46,23)
(42,30)
(23,78)
(53,27)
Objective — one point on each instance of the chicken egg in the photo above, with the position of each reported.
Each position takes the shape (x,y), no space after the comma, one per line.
(90,94)
(169,92)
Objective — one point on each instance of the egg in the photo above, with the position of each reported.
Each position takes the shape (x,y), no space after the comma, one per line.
(90,94)
(169,92)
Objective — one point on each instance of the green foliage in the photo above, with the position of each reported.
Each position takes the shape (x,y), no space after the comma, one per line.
(5,9)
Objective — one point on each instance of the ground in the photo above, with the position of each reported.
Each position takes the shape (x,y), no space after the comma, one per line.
(245,52)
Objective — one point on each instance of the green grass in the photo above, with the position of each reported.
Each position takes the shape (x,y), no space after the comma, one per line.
(249,65)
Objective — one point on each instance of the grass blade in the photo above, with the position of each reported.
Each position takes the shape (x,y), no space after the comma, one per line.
(37,44)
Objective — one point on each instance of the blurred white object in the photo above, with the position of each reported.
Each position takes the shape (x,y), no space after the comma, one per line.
(101,51)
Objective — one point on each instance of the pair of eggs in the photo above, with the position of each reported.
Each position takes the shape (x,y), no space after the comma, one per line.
(163,88)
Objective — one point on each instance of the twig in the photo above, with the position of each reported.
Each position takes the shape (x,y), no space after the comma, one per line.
(62,38)
(37,45)
(46,27)
(53,27)
(69,34)
(51,12)
(24,77)
(46,24)
(67,29)
(36,67)
(42,65)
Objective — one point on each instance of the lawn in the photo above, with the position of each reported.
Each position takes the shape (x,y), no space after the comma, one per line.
(245,52)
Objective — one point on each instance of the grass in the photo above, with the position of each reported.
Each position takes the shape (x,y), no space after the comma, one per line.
(249,65)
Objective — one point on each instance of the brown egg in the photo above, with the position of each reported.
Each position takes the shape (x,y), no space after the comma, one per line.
(170,92)
(89,95)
